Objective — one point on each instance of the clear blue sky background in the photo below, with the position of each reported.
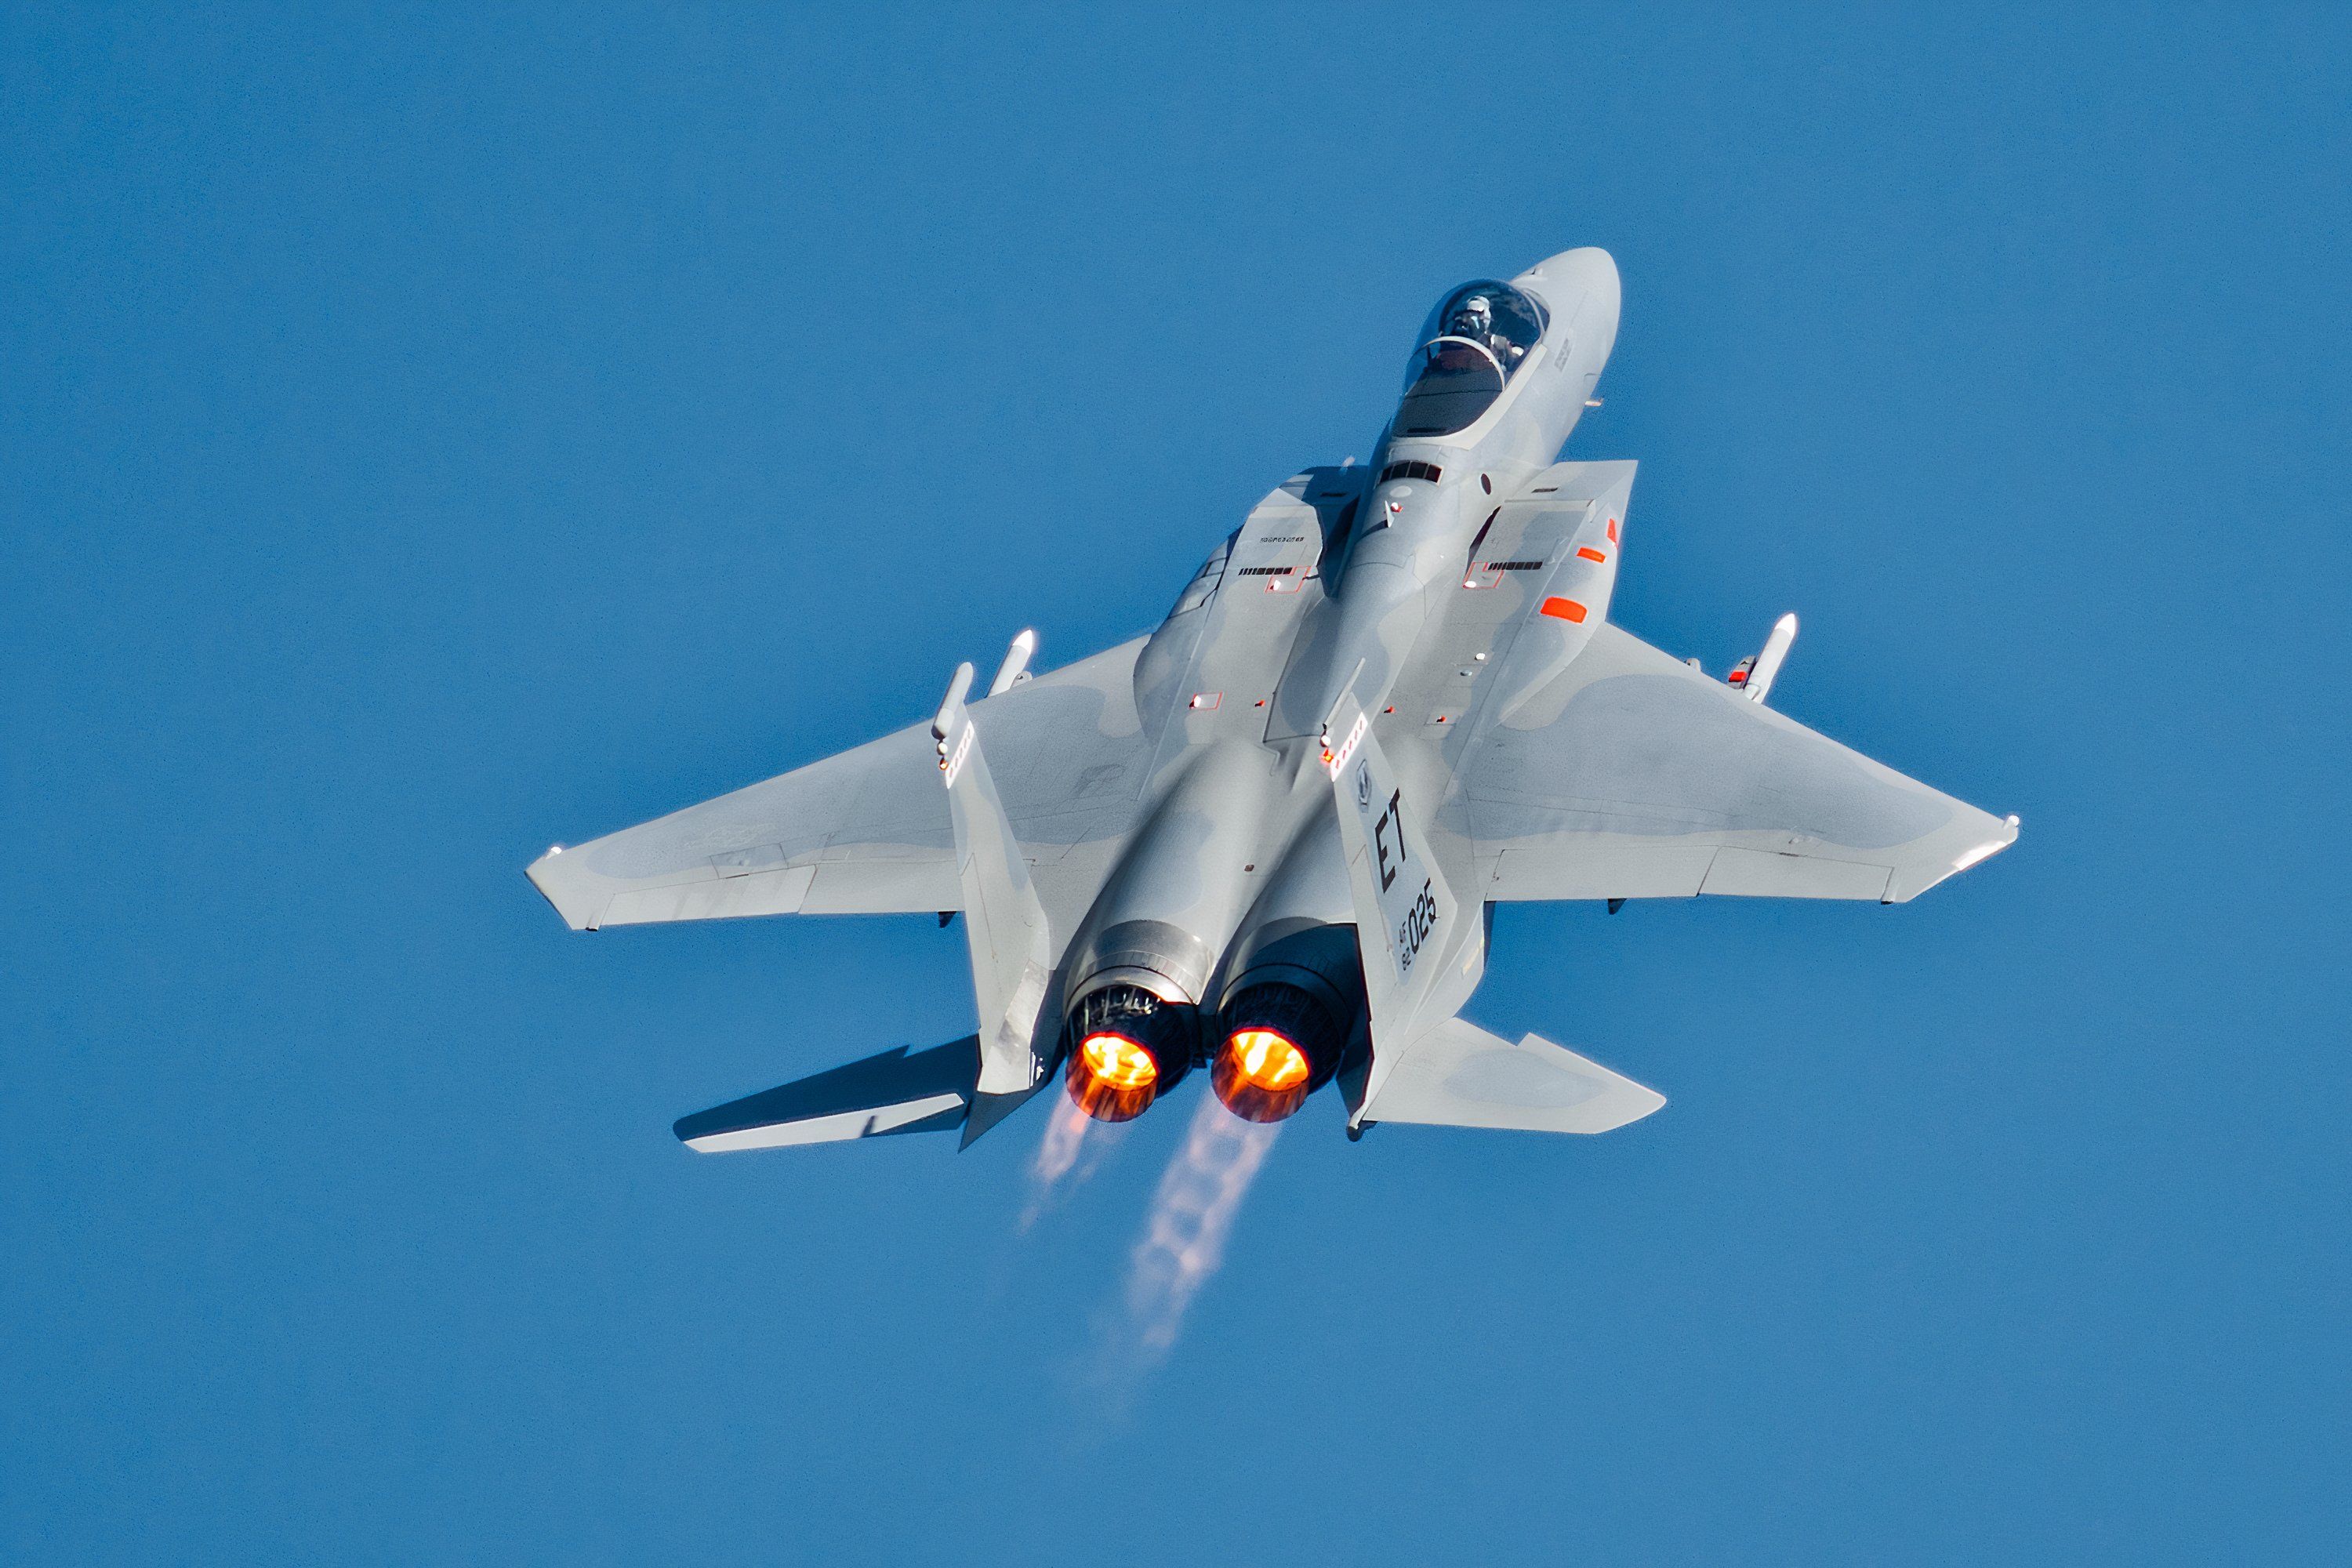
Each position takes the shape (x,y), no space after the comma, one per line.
(426,437)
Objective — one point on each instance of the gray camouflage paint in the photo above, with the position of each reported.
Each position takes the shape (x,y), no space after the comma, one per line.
(1167,794)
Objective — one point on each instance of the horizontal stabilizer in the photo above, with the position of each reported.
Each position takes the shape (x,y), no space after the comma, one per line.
(1458,1075)
(926,1092)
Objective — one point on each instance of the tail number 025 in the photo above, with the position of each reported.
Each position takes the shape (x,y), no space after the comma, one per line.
(1415,930)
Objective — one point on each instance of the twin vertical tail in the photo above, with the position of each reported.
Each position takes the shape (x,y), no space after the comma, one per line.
(1421,944)
(1005,924)
(973,1082)
(1424,951)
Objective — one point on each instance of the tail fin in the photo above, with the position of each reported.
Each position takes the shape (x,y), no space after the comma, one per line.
(1012,950)
(1423,949)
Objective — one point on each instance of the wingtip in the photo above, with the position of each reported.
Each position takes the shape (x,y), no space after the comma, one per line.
(1980,854)
(576,892)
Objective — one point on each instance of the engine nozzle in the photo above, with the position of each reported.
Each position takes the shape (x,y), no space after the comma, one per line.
(1126,1048)
(1280,1046)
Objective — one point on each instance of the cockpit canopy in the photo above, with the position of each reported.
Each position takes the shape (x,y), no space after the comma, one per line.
(1471,346)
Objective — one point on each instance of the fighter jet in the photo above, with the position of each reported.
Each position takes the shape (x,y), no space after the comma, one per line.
(1267,839)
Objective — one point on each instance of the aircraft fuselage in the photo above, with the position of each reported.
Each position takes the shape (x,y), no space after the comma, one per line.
(1227,889)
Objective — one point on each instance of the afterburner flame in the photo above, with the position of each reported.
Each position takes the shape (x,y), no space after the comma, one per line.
(1112,1077)
(1120,1062)
(1261,1074)
(1267,1060)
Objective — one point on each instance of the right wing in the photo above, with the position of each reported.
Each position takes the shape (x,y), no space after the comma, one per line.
(867,831)
(1630,775)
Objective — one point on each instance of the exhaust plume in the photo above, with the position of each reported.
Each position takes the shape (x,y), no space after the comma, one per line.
(1191,1214)
(1064,1151)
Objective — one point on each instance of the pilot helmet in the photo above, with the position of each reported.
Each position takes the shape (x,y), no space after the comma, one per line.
(1474,315)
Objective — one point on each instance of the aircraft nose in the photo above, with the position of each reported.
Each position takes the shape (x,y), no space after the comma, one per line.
(1589,271)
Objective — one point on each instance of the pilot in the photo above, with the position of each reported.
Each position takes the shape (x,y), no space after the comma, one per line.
(1475,319)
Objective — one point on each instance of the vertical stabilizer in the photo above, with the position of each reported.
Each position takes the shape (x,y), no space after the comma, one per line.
(1423,949)
(1012,950)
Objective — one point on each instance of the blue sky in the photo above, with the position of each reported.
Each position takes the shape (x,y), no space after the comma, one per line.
(427,436)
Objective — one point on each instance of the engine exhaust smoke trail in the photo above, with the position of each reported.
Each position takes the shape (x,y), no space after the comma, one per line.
(1191,1214)
(1072,1146)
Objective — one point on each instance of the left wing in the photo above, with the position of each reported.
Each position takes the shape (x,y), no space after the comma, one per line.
(867,831)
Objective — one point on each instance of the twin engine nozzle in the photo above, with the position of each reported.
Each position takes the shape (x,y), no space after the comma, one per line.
(1126,1048)
(1186,960)
(1273,1044)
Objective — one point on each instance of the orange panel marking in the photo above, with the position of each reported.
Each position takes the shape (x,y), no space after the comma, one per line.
(1566,609)
(1590,554)
(1612,530)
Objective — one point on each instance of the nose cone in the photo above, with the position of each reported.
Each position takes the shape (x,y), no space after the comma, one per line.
(1582,284)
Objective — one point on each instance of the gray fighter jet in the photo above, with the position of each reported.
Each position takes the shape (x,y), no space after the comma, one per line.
(1268,838)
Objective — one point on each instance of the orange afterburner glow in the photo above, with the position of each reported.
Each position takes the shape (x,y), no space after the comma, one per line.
(1261,1074)
(1267,1060)
(1111,1077)
(1118,1061)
